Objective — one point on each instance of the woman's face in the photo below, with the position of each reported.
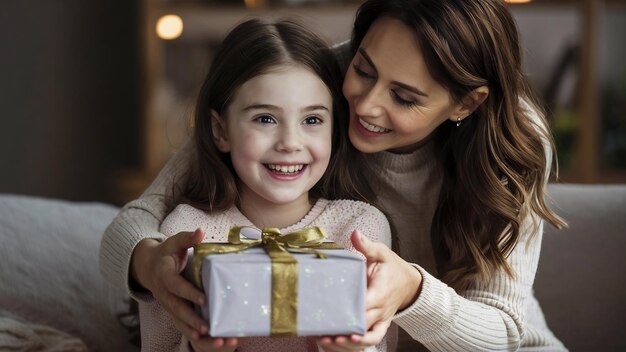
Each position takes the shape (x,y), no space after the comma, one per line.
(394,102)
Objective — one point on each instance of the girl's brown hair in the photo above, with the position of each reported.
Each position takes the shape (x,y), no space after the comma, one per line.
(253,48)
(496,162)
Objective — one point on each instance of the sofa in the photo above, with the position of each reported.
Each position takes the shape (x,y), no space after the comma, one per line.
(581,279)
(50,285)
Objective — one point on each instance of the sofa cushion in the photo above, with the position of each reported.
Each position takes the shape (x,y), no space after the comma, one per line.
(49,272)
(580,281)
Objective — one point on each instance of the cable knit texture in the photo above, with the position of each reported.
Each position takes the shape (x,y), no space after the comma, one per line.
(337,218)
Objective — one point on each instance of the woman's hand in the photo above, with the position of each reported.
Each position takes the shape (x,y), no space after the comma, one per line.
(392,285)
(157,267)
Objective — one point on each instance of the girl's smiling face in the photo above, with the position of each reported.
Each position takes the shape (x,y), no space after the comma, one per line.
(394,101)
(278,131)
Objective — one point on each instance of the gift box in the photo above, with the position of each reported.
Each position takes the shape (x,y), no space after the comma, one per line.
(292,292)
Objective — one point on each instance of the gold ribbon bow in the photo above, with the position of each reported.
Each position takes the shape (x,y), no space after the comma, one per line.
(284,319)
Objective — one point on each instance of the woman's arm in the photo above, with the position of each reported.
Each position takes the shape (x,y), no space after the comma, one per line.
(489,316)
(135,255)
(494,315)
(138,220)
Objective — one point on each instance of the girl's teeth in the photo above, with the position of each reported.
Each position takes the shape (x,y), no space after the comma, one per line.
(373,128)
(285,169)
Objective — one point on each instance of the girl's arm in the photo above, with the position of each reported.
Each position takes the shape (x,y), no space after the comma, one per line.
(182,219)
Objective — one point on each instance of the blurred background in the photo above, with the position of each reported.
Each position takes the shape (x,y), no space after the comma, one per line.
(96,95)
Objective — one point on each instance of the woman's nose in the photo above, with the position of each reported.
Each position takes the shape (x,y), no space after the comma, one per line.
(370,102)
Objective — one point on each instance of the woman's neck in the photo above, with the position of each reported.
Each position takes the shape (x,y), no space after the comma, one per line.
(413,147)
(263,213)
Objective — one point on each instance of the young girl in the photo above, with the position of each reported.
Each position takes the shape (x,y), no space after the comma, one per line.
(270,151)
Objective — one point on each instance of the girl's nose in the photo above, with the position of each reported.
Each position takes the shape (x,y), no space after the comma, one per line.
(289,140)
(370,102)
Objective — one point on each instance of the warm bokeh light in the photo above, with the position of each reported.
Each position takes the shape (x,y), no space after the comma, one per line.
(255,4)
(517,1)
(169,27)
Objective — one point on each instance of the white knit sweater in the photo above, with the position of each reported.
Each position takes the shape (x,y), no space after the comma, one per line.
(498,315)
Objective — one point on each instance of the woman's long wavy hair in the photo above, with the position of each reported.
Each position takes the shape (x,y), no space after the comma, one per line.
(253,48)
(495,163)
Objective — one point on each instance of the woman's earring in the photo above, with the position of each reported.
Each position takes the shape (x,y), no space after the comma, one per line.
(458,121)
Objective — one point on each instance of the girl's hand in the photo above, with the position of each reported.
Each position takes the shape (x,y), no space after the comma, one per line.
(338,344)
(392,285)
(208,344)
(157,267)
(355,342)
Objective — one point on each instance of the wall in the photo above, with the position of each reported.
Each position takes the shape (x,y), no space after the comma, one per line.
(68,96)
(544,32)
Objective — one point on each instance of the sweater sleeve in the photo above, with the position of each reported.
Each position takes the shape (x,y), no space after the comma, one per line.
(139,219)
(367,219)
(489,316)
(375,226)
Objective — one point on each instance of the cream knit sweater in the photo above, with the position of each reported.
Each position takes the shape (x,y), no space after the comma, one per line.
(499,315)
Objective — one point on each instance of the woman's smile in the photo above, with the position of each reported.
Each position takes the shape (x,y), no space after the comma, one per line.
(373,128)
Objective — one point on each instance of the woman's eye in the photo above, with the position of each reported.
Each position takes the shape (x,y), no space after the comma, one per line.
(360,72)
(265,119)
(313,120)
(400,100)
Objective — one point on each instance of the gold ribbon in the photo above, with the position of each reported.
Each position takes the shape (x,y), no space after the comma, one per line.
(284,319)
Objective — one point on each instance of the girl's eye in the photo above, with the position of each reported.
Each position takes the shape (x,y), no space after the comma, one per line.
(313,120)
(360,72)
(404,102)
(265,119)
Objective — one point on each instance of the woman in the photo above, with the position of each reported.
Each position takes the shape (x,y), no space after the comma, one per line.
(460,155)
